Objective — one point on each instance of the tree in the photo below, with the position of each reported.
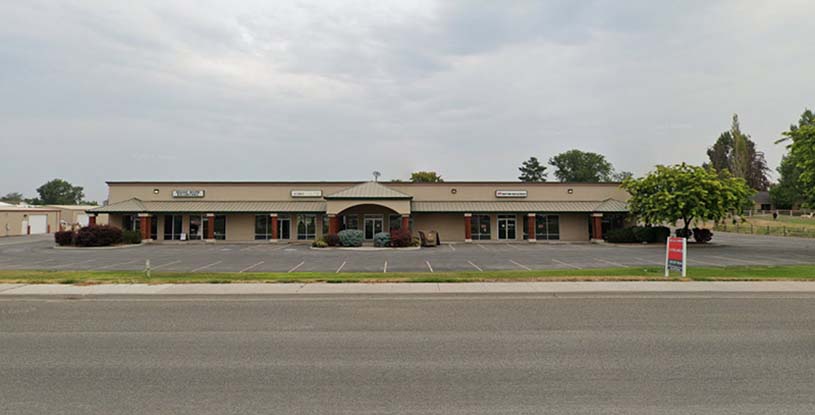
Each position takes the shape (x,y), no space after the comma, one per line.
(59,192)
(686,193)
(532,171)
(425,177)
(789,193)
(736,153)
(802,152)
(622,176)
(13,197)
(579,166)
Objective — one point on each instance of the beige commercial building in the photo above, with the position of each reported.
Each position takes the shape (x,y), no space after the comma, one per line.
(20,220)
(304,211)
(76,216)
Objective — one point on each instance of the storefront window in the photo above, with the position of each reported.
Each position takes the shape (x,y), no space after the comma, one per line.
(130,223)
(394,222)
(262,227)
(547,227)
(284,227)
(350,222)
(325,224)
(480,227)
(220,227)
(306,227)
(172,227)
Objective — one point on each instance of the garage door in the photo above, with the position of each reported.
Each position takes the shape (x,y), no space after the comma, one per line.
(82,219)
(38,223)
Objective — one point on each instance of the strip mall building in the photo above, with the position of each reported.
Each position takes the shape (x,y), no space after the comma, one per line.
(304,211)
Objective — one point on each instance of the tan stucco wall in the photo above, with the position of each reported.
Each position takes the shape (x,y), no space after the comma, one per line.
(449,226)
(574,227)
(11,221)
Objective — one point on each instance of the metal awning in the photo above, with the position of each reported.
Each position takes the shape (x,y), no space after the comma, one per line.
(609,206)
(199,206)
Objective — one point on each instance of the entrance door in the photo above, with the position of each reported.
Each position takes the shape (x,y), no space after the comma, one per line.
(373,225)
(506,227)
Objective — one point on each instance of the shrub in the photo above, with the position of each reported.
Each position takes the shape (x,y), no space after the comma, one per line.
(332,239)
(131,237)
(651,234)
(702,235)
(100,235)
(682,233)
(382,239)
(319,243)
(351,237)
(64,238)
(622,235)
(661,233)
(401,238)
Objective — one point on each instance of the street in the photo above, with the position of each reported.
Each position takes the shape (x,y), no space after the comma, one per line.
(667,353)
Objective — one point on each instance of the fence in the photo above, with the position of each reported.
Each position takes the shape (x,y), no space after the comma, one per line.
(783,230)
(781,212)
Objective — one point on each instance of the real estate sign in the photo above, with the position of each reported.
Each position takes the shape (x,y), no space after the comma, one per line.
(676,256)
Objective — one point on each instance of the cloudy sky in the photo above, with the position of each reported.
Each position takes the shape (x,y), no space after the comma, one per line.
(332,90)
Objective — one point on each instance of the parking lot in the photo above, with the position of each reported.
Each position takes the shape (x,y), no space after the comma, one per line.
(38,253)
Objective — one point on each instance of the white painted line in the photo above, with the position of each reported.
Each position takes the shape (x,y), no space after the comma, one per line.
(206,266)
(428,266)
(609,262)
(452,247)
(712,264)
(385,269)
(164,265)
(736,259)
(117,264)
(482,247)
(476,266)
(513,246)
(565,263)
(251,266)
(340,268)
(647,262)
(521,265)
(297,266)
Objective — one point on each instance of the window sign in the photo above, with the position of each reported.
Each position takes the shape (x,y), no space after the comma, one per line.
(676,256)
(510,193)
(183,193)
(306,193)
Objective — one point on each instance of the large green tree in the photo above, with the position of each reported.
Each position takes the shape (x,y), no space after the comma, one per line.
(581,167)
(802,153)
(686,193)
(425,177)
(789,192)
(532,171)
(60,192)
(12,197)
(736,153)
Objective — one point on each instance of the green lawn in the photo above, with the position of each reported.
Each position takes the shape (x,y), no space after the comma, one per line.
(765,225)
(801,272)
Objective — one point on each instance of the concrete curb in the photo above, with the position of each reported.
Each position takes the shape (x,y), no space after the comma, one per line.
(801,287)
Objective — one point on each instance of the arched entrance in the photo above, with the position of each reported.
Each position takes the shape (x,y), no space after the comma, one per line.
(370,218)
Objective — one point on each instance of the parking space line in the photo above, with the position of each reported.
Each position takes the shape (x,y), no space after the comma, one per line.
(513,246)
(340,268)
(609,262)
(647,262)
(482,247)
(452,247)
(297,266)
(385,269)
(476,266)
(206,266)
(429,266)
(566,263)
(251,266)
(712,264)
(736,259)
(521,265)
(117,264)
(164,265)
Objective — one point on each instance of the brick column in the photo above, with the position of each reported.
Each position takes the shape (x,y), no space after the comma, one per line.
(333,224)
(597,226)
(273,217)
(406,222)
(468,232)
(92,220)
(210,236)
(530,230)
(144,226)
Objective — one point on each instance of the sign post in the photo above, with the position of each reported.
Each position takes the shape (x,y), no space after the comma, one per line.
(676,256)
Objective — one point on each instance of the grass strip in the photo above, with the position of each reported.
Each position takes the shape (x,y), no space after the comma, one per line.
(735,273)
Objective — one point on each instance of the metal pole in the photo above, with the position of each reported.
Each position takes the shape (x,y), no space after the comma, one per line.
(147,268)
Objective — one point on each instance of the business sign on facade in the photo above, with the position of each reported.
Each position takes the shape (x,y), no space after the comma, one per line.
(306,193)
(510,193)
(676,256)
(185,193)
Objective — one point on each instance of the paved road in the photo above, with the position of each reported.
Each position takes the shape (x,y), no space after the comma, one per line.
(730,249)
(510,354)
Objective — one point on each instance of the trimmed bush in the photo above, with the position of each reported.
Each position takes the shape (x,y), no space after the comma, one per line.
(401,238)
(319,244)
(682,233)
(634,234)
(332,239)
(351,237)
(64,238)
(702,235)
(622,235)
(131,237)
(382,239)
(99,235)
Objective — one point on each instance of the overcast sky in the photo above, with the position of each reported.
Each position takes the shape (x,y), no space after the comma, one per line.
(321,90)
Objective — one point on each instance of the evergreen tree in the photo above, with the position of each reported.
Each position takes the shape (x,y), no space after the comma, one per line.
(532,171)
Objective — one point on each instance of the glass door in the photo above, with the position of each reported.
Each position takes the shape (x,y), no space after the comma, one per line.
(373,225)
(172,227)
(506,227)
(196,228)
(283,227)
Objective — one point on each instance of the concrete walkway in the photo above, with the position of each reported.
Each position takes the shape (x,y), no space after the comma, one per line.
(10,290)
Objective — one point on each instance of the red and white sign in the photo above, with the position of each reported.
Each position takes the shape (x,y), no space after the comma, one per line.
(676,256)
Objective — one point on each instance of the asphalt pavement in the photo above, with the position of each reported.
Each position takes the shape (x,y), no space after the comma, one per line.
(615,353)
